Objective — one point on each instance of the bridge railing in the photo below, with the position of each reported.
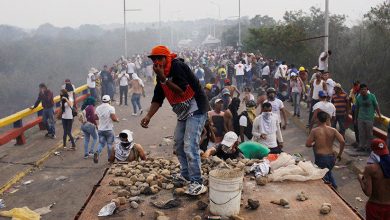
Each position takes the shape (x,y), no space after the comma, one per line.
(16,119)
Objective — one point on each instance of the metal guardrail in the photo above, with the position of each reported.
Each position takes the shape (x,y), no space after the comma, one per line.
(17,132)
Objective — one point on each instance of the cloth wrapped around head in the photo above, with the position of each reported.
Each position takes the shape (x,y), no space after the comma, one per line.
(162,50)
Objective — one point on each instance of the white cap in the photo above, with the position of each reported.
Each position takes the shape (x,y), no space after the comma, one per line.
(293,74)
(229,139)
(218,100)
(128,133)
(106,98)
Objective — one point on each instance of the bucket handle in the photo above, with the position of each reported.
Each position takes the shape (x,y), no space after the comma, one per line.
(229,199)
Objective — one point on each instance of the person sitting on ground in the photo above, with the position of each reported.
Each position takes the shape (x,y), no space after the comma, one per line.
(266,129)
(321,139)
(227,149)
(375,181)
(126,150)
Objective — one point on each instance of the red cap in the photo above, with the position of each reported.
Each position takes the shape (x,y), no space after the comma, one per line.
(379,147)
(227,81)
(67,80)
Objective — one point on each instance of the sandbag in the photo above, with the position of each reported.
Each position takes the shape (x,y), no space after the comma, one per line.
(304,171)
(283,160)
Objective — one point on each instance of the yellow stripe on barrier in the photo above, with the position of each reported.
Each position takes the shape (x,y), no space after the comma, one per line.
(26,112)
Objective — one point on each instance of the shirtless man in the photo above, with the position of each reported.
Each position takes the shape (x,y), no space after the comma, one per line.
(375,181)
(126,150)
(321,139)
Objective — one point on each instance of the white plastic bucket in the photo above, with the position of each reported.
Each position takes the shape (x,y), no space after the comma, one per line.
(225,191)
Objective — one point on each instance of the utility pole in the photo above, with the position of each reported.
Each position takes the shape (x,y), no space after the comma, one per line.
(326,43)
(239,25)
(159,20)
(125,23)
(219,13)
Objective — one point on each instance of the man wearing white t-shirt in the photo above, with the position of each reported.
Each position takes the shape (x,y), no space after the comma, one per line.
(277,106)
(323,61)
(123,78)
(239,74)
(329,84)
(281,72)
(130,67)
(325,106)
(105,115)
(91,82)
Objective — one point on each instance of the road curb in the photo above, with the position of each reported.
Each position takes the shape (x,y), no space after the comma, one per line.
(353,167)
(16,178)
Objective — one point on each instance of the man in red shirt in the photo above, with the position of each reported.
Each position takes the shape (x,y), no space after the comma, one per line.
(341,102)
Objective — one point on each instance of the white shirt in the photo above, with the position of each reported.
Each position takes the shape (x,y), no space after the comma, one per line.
(330,86)
(239,69)
(104,112)
(67,114)
(259,125)
(281,71)
(91,80)
(244,123)
(322,64)
(123,79)
(317,89)
(130,68)
(325,106)
(277,105)
(265,71)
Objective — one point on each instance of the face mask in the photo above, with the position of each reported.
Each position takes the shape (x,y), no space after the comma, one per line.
(267,115)
(126,145)
(227,150)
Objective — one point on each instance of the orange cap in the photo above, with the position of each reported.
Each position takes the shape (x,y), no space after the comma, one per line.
(160,50)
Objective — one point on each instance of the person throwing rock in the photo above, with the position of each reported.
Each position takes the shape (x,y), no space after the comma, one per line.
(177,83)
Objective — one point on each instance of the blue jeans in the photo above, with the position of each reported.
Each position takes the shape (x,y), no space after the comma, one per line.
(48,120)
(106,137)
(296,97)
(136,101)
(340,119)
(89,130)
(187,137)
(239,80)
(326,161)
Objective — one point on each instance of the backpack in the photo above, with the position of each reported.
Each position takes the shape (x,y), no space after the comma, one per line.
(83,117)
(248,128)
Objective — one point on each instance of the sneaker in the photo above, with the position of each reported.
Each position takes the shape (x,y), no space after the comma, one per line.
(134,114)
(141,111)
(52,136)
(86,156)
(178,179)
(195,189)
(95,157)
(90,153)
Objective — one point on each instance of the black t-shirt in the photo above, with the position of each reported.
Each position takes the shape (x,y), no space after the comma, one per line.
(221,154)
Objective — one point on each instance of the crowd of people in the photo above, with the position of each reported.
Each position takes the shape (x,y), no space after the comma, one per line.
(206,88)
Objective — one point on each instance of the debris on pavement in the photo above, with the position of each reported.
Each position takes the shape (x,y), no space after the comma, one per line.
(201,205)
(281,202)
(172,203)
(237,217)
(302,196)
(57,153)
(134,205)
(21,213)
(252,204)
(2,204)
(197,217)
(61,178)
(108,209)
(325,208)
(28,182)
(359,199)
(161,215)
(44,210)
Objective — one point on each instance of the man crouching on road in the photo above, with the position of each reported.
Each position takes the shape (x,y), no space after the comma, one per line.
(375,182)
(321,139)
(126,149)
(177,83)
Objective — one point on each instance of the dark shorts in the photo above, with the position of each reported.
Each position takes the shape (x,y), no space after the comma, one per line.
(375,211)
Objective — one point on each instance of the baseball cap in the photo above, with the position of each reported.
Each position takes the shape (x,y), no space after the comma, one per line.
(208,86)
(250,104)
(226,81)
(218,100)
(379,147)
(293,74)
(225,91)
(301,68)
(322,94)
(126,134)
(229,139)
(106,98)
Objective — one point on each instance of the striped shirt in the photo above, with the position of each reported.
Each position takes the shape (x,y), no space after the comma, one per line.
(340,101)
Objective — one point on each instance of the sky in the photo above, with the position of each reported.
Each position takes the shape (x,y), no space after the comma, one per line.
(32,13)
